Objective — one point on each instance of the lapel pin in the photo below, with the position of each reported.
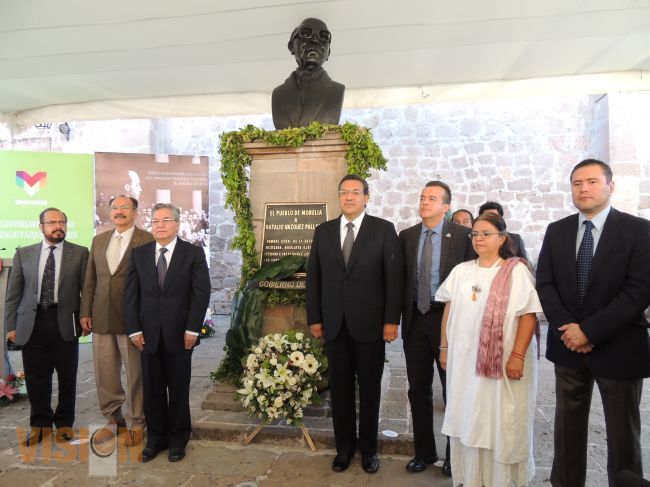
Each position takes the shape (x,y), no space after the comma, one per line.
(448,235)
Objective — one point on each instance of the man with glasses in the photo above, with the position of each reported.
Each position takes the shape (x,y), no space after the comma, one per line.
(102,313)
(166,295)
(308,94)
(431,249)
(354,283)
(42,315)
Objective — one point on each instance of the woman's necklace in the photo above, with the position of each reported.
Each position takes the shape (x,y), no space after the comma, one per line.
(476,288)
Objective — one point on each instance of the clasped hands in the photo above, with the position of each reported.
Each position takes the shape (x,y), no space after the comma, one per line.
(138,341)
(574,339)
(390,331)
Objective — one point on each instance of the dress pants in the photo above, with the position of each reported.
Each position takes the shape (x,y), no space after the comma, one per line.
(621,398)
(421,351)
(364,360)
(45,352)
(109,353)
(166,379)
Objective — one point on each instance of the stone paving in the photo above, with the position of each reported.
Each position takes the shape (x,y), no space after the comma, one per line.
(271,459)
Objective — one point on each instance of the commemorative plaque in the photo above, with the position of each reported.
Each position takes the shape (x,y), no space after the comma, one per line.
(289,229)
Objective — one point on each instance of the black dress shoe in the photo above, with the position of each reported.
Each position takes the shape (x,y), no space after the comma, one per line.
(370,464)
(446,468)
(33,437)
(420,464)
(176,454)
(64,434)
(149,453)
(341,463)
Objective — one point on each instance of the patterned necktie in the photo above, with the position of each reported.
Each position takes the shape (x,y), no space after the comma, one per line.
(162,268)
(47,284)
(114,253)
(583,261)
(424,277)
(348,242)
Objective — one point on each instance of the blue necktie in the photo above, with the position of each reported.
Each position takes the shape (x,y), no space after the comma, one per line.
(583,262)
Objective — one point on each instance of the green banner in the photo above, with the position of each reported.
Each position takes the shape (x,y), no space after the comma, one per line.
(33,181)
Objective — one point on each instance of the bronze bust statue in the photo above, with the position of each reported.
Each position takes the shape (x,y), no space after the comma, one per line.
(308,94)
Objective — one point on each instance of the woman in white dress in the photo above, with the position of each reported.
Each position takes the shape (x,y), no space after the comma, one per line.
(490,357)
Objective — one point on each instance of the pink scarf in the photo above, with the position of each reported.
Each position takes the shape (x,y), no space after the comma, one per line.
(490,350)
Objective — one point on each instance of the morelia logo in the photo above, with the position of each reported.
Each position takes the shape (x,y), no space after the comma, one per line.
(31,184)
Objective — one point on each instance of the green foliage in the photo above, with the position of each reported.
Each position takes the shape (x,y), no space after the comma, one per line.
(246,315)
(362,155)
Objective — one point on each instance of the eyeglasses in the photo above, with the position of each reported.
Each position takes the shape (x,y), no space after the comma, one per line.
(474,235)
(308,33)
(122,207)
(51,223)
(164,221)
(353,192)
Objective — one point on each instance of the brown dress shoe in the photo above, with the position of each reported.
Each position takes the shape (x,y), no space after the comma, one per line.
(132,437)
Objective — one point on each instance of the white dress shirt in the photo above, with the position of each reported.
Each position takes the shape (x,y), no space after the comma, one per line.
(357,224)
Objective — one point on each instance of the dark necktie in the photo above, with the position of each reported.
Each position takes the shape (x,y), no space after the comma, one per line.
(162,268)
(47,284)
(583,261)
(424,277)
(348,242)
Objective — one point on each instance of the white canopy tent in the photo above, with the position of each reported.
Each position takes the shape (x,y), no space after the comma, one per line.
(79,60)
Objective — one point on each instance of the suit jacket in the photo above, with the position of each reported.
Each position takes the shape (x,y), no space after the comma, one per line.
(367,293)
(617,293)
(102,298)
(323,104)
(456,247)
(518,245)
(22,291)
(167,312)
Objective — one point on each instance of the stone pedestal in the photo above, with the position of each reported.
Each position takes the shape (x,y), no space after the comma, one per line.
(307,174)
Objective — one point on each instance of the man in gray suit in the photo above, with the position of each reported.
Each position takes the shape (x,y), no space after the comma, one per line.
(42,315)
(102,313)
(431,250)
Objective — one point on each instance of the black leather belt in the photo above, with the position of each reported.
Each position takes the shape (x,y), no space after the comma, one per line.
(434,306)
(45,307)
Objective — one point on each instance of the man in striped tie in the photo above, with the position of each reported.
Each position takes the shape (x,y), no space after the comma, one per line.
(593,279)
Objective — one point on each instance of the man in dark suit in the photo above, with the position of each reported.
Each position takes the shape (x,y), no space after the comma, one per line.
(42,315)
(518,245)
(593,279)
(102,313)
(308,94)
(431,250)
(166,295)
(354,283)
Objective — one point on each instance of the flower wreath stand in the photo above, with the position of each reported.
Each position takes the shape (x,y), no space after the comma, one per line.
(280,379)
(305,433)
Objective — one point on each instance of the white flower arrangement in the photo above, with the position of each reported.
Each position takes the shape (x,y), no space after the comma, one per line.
(281,376)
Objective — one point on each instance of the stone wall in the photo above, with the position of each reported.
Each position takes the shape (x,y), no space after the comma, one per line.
(517,151)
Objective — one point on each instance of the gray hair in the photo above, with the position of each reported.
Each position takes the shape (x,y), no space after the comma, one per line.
(160,206)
